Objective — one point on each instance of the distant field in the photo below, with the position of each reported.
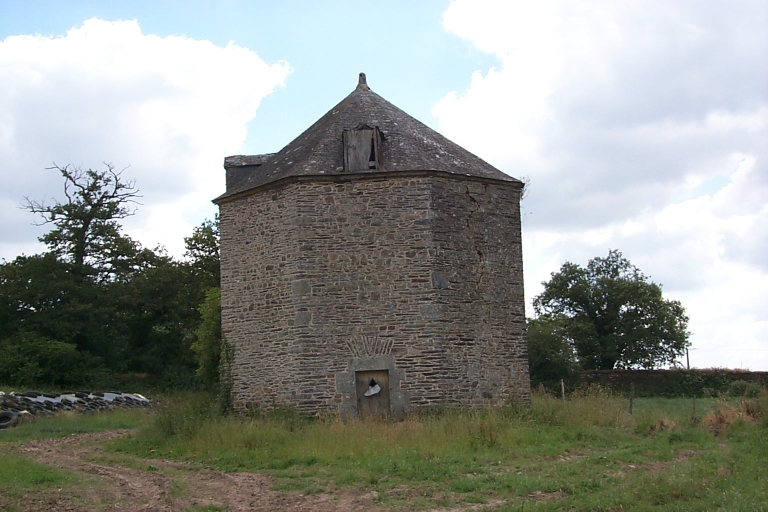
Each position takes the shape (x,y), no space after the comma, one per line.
(587,453)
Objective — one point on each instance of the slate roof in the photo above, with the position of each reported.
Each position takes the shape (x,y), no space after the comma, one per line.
(406,145)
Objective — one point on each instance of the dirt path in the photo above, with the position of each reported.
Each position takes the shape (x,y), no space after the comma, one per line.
(133,484)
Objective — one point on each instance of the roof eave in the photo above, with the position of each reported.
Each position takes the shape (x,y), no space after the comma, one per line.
(229,197)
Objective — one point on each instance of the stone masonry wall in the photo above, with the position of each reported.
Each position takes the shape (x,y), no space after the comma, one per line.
(478,273)
(257,313)
(419,275)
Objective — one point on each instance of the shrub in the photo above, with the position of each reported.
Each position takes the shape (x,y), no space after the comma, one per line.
(29,359)
(550,355)
(743,388)
(207,344)
(674,382)
(748,410)
(181,415)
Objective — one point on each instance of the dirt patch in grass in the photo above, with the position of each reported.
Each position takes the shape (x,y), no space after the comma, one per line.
(652,466)
(158,485)
(547,496)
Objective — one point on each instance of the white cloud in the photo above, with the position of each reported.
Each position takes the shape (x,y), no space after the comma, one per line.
(169,107)
(643,126)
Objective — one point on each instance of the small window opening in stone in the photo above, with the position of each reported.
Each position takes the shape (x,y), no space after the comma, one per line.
(361,149)
(372,157)
(373,388)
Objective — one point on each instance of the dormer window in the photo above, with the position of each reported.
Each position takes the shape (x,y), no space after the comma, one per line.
(361,149)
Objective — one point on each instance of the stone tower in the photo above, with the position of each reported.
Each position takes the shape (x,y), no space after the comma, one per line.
(372,267)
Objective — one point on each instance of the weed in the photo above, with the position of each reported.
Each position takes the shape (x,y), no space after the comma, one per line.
(484,432)
(743,388)
(746,411)
(181,414)
(661,426)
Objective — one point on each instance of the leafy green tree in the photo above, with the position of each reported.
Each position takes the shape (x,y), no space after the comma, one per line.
(165,304)
(550,353)
(615,317)
(44,295)
(208,340)
(29,359)
(86,229)
(158,309)
(98,293)
(203,251)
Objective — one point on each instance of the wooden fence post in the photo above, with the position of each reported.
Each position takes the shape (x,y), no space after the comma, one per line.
(562,388)
(631,396)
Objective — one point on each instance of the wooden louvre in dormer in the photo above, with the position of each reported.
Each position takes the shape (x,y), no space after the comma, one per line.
(361,149)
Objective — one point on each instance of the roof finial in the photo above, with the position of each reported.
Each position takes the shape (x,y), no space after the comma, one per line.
(361,83)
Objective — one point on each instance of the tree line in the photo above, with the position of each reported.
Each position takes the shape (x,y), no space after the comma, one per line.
(98,309)
(607,315)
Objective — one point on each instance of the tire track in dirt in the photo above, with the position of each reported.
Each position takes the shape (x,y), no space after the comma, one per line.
(164,486)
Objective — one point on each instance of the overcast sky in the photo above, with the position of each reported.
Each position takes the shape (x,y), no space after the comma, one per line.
(642,126)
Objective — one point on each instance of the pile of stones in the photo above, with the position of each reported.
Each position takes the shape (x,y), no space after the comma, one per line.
(14,406)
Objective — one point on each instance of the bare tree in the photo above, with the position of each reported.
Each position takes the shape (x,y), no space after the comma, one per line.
(87,231)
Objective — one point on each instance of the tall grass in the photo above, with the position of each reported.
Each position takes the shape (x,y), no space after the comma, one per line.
(592,407)
(587,452)
(190,425)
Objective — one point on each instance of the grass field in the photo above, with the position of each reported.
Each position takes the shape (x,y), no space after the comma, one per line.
(19,475)
(585,453)
(69,423)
